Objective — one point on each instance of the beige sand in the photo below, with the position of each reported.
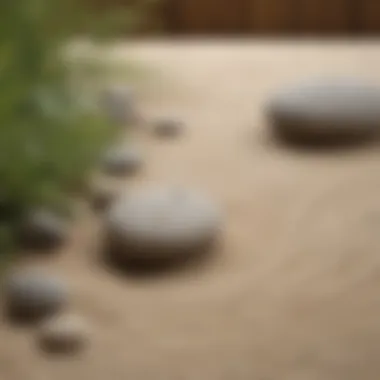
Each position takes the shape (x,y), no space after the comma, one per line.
(293,294)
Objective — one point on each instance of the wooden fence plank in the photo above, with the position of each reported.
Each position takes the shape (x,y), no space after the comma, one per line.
(211,16)
(324,16)
(369,16)
(298,17)
(271,16)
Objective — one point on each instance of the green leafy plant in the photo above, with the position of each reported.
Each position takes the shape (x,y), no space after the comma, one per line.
(49,137)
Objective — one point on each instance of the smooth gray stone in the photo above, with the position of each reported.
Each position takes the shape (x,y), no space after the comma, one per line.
(122,161)
(64,334)
(32,294)
(161,222)
(43,228)
(119,104)
(326,109)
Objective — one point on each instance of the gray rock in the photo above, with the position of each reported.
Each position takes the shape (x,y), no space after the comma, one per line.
(32,294)
(122,161)
(119,104)
(168,127)
(102,195)
(64,334)
(43,228)
(161,223)
(326,109)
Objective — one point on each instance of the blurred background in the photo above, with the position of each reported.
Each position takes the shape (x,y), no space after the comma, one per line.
(291,290)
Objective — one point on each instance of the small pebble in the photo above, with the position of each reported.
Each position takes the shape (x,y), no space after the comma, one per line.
(168,128)
(119,104)
(64,334)
(31,294)
(102,195)
(44,229)
(122,161)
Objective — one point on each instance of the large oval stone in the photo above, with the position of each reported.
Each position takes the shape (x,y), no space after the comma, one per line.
(161,223)
(336,109)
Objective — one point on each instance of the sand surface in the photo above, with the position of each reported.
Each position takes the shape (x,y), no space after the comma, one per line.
(293,292)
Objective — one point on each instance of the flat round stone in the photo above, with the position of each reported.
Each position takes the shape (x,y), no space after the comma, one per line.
(326,109)
(161,223)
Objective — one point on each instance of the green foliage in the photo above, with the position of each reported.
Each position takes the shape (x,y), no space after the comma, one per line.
(49,138)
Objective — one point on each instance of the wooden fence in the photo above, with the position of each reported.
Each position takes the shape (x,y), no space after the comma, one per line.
(297,17)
